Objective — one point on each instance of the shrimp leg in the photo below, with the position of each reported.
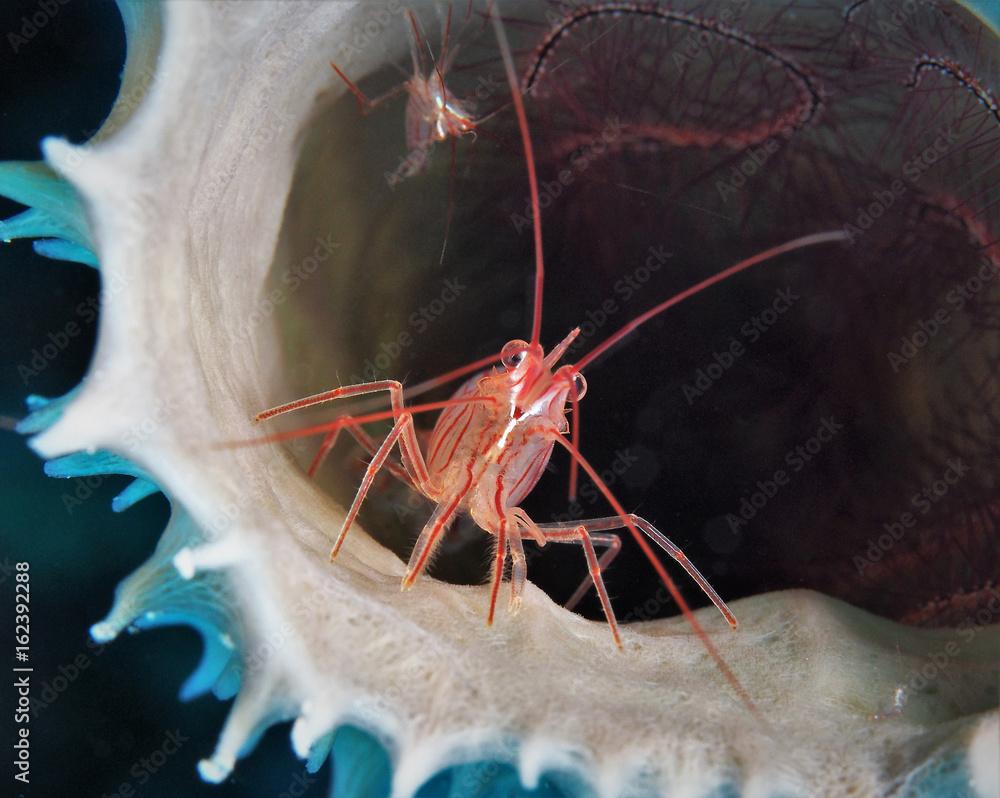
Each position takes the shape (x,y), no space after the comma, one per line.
(661,540)
(518,566)
(403,432)
(499,561)
(379,459)
(366,442)
(535,531)
(509,539)
(435,382)
(565,533)
(409,447)
(571,532)
(439,522)
(364,103)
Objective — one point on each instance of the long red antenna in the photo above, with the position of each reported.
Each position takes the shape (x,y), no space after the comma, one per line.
(699,630)
(348,421)
(448,376)
(425,386)
(760,257)
(529,157)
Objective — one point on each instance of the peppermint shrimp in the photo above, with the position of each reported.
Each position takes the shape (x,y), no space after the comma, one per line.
(497,433)
(433,113)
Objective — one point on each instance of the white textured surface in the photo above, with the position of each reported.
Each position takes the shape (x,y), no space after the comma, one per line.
(186,203)
(984,757)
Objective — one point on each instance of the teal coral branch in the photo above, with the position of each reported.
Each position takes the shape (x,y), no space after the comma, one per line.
(59,249)
(54,208)
(99,463)
(156,595)
(43,412)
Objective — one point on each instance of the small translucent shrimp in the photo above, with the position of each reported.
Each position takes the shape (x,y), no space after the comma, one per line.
(496,434)
(433,113)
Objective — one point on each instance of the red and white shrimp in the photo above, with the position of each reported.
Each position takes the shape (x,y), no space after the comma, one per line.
(433,113)
(497,433)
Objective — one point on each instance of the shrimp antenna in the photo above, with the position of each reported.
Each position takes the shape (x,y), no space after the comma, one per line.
(616,505)
(344,421)
(789,246)
(529,158)
(572,448)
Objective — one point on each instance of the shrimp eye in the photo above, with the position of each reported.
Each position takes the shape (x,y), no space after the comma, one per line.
(513,353)
(579,385)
